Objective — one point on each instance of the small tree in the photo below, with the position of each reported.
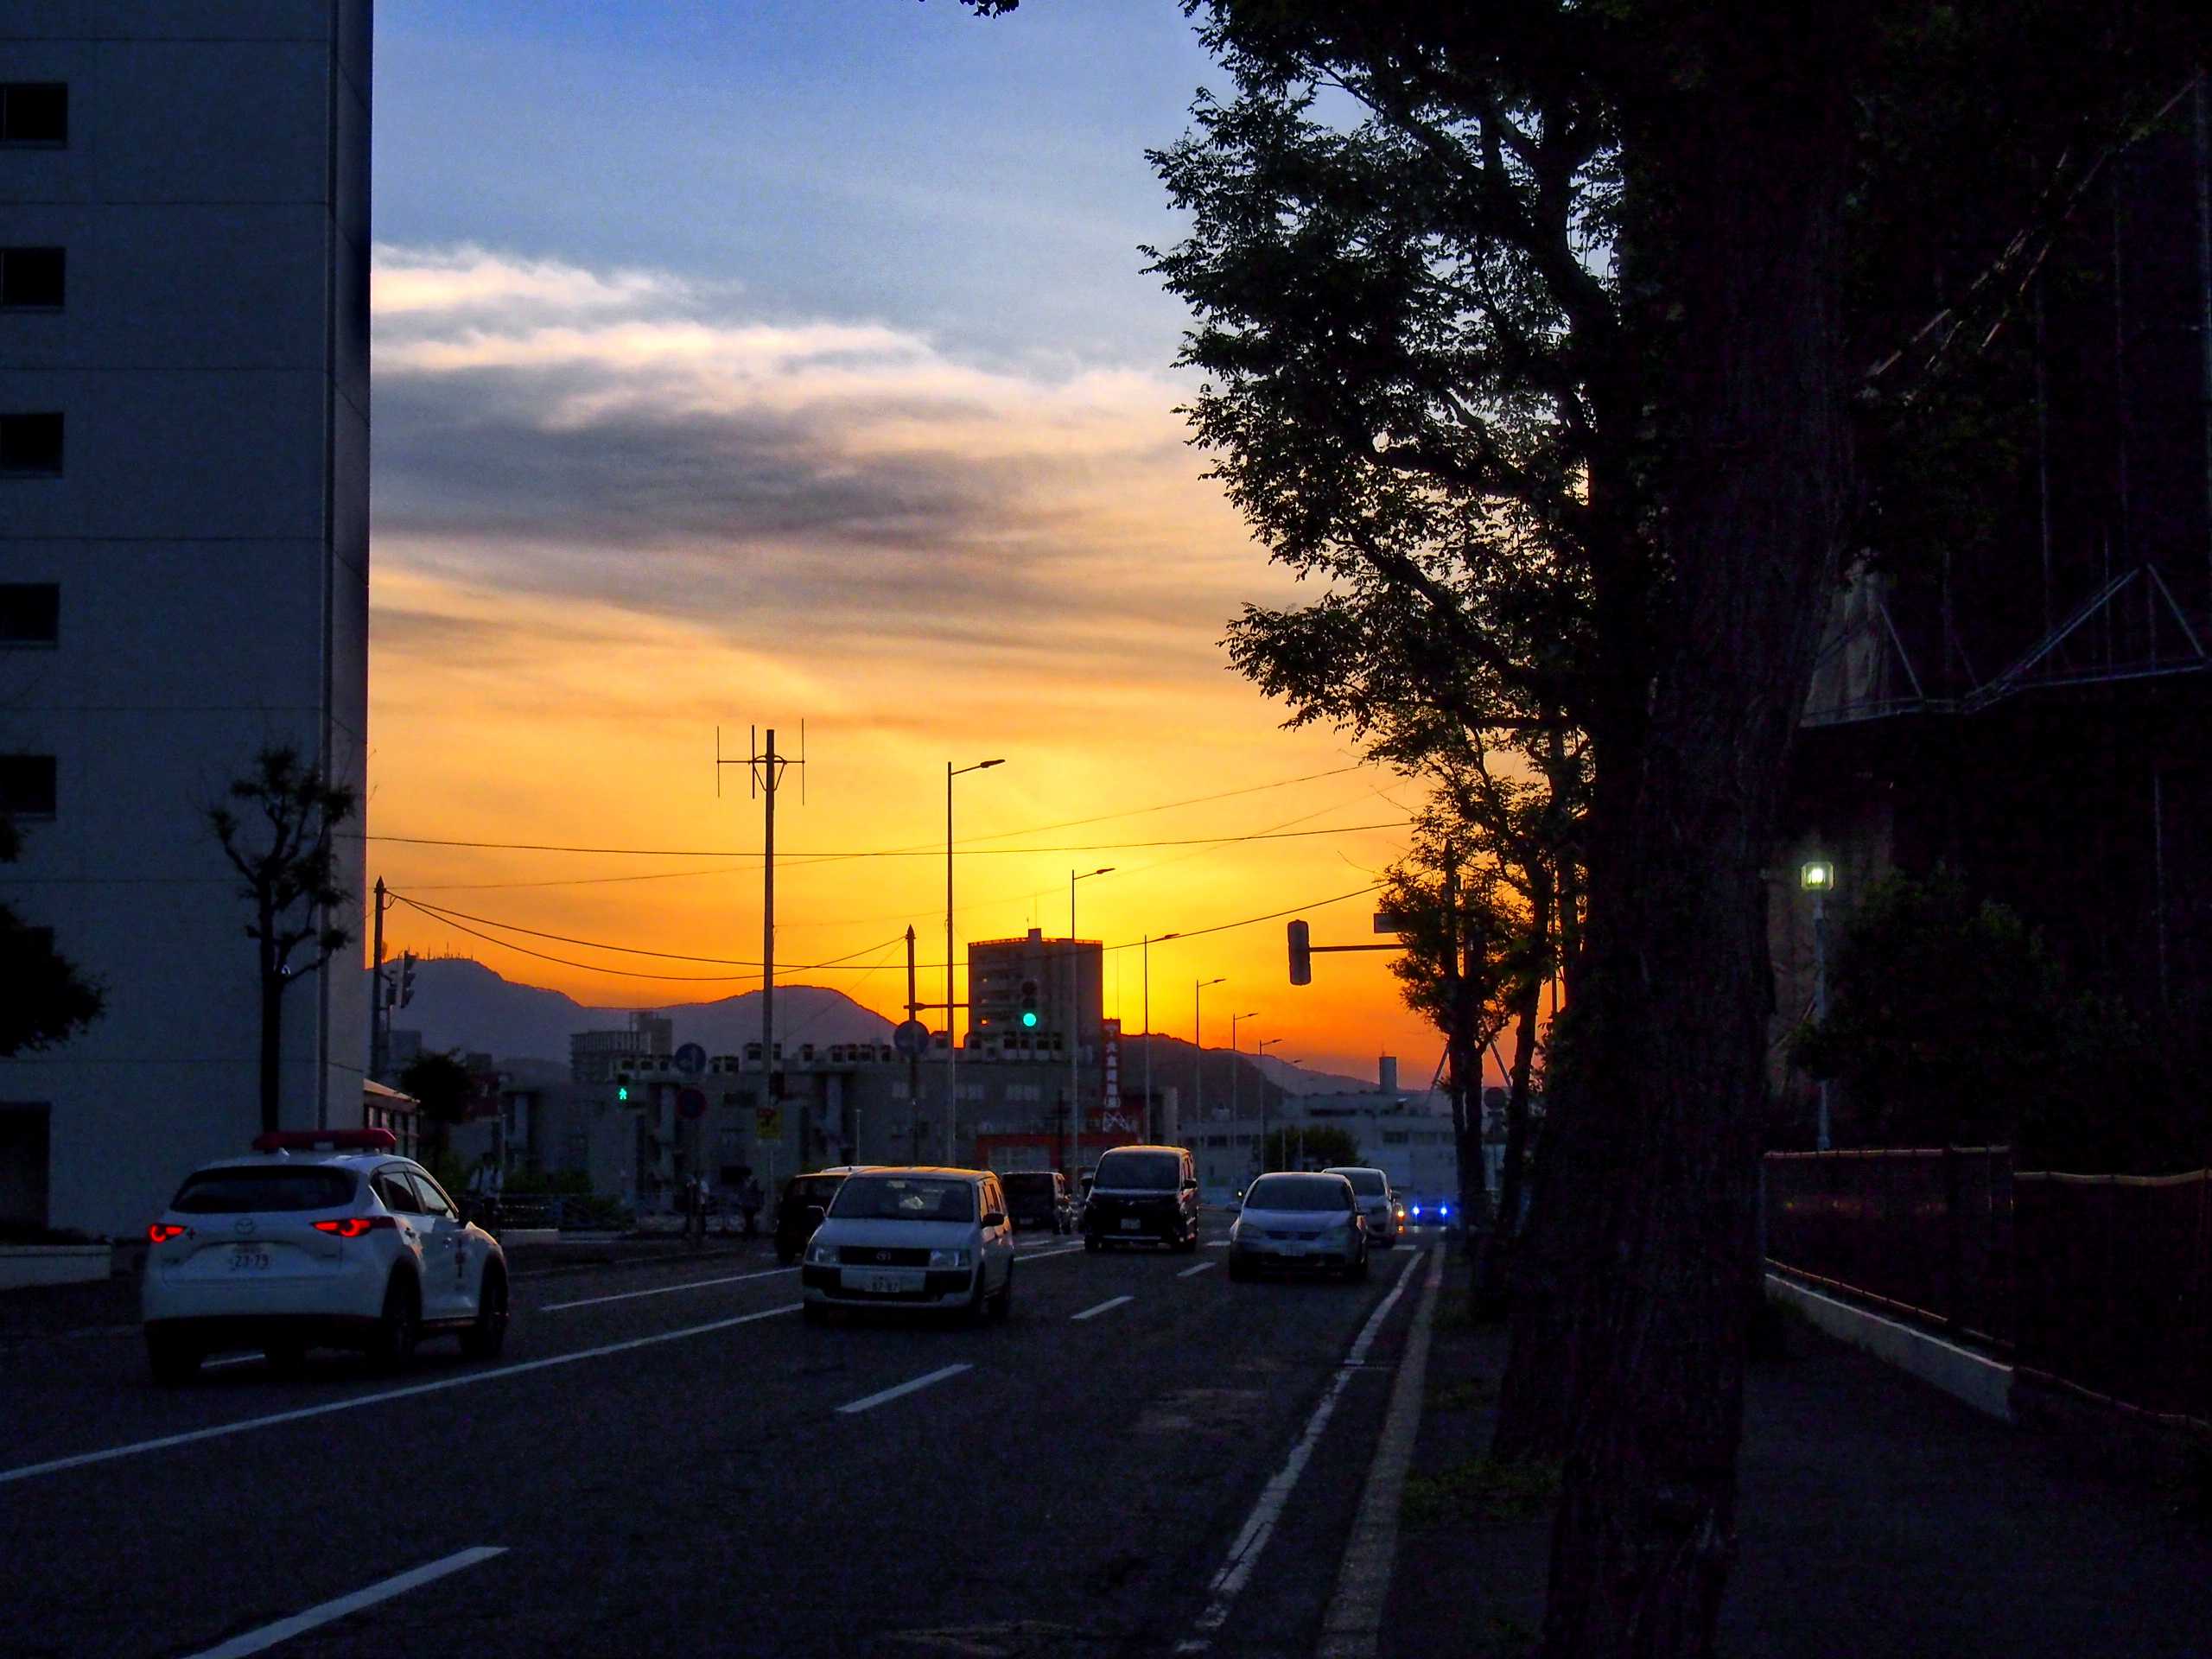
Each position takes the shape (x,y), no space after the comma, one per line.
(442,1086)
(48,1001)
(1315,1144)
(275,826)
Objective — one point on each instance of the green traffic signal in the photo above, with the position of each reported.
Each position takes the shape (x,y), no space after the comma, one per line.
(1029,1017)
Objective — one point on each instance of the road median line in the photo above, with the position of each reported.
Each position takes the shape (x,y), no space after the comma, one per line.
(323,1613)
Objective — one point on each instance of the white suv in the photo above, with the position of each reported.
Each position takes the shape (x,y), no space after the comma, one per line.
(1376,1202)
(325,1240)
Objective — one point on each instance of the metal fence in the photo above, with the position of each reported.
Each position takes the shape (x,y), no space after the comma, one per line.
(2113,1276)
(1926,1231)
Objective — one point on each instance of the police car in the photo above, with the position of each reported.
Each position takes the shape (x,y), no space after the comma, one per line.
(324,1239)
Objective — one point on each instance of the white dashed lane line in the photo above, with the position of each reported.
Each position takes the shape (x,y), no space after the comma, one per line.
(1093,1312)
(1201,1267)
(284,1629)
(873,1400)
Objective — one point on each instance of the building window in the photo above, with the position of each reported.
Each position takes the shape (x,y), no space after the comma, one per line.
(31,445)
(30,279)
(30,612)
(27,785)
(34,112)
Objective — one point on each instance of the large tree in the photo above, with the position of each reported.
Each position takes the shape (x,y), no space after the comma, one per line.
(276,825)
(1499,305)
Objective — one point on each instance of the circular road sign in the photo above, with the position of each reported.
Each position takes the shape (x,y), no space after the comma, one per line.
(912,1038)
(691,1059)
(691,1102)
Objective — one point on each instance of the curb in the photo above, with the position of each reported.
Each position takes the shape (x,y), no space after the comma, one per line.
(1352,1626)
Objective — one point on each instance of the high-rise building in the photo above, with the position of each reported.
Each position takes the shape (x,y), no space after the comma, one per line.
(184,456)
(1062,981)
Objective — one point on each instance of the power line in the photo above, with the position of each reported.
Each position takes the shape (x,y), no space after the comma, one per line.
(443,914)
(918,852)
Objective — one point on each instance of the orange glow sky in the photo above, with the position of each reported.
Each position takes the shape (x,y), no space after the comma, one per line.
(622,499)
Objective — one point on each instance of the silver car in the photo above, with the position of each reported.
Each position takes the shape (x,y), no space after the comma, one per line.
(920,1238)
(1376,1202)
(1298,1223)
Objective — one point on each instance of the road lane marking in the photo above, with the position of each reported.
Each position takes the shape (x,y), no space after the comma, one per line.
(1093,1312)
(666,1290)
(1216,1244)
(1201,1267)
(875,1400)
(285,1629)
(109,1454)
(1047,1255)
(234,1359)
(1259,1526)
(1352,1628)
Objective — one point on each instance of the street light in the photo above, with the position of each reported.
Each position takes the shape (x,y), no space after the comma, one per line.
(1259,1052)
(1075,1027)
(1817,877)
(951,1035)
(1199,1052)
(1153,1130)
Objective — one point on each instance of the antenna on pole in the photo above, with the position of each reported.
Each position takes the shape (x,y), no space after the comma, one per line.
(763,772)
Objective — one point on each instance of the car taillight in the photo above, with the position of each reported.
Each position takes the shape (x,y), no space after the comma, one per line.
(354,1226)
(162,1231)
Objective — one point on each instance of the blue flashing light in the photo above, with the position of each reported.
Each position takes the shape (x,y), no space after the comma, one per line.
(1416,1210)
(1443,1209)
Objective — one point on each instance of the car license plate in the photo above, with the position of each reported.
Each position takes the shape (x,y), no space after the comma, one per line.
(1131,1225)
(249,1258)
(880,1283)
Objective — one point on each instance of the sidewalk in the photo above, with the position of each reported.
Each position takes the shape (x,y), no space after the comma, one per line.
(1877,1519)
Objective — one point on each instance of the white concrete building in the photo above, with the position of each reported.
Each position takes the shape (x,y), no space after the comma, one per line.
(184,426)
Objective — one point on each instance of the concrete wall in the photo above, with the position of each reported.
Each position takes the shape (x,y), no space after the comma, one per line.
(209,536)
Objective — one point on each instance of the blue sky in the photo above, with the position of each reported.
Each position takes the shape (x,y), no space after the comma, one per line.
(982,181)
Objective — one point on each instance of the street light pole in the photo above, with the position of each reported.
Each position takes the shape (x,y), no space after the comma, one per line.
(951,1033)
(1259,1051)
(1199,1052)
(1236,1055)
(1817,877)
(1153,1128)
(1074,1019)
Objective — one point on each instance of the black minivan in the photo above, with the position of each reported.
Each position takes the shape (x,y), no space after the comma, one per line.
(1143,1195)
(1038,1198)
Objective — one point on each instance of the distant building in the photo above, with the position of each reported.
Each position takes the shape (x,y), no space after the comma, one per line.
(1064,979)
(184,492)
(598,1056)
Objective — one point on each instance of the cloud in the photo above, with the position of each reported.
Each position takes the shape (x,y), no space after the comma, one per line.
(627,439)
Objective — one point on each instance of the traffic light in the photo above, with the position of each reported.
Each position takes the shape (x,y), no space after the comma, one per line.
(406,977)
(622,1085)
(1028,1005)
(1301,955)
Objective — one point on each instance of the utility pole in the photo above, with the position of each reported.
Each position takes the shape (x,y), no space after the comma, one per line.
(913,1061)
(379,1002)
(763,777)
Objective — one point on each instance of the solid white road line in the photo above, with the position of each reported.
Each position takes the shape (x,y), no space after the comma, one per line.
(875,1400)
(1352,1628)
(1260,1525)
(285,1629)
(1201,1267)
(234,1359)
(1047,1255)
(355,1402)
(1093,1312)
(666,1290)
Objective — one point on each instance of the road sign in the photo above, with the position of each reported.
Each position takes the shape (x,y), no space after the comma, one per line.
(690,1103)
(691,1059)
(767,1122)
(912,1038)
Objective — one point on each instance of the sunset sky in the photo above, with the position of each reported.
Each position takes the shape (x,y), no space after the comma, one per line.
(742,365)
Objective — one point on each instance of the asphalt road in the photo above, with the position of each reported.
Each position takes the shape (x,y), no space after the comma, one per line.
(673,1459)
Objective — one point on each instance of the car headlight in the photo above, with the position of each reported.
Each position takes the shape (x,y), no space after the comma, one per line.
(948,1258)
(822,1255)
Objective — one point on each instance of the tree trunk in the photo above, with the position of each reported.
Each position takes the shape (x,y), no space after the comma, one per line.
(272,1042)
(1497,1249)
(1642,1272)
